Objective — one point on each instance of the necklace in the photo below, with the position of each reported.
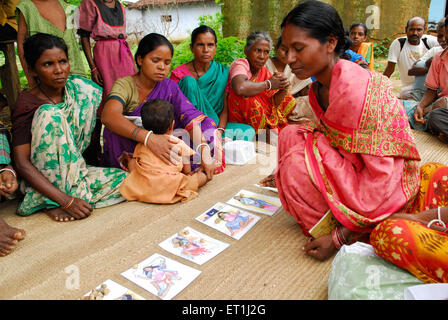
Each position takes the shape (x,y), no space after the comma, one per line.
(108,1)
(194,67)
(49,99)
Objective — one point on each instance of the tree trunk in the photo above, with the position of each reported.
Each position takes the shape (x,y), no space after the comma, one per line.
(244,16)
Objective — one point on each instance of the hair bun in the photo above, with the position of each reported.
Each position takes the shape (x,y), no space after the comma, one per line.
(348,42)
(344,43)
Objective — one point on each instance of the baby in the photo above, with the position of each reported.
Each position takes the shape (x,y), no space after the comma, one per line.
(151,180)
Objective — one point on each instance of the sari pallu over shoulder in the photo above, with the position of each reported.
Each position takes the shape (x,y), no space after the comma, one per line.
(364,123)
(206,92)
(60,134)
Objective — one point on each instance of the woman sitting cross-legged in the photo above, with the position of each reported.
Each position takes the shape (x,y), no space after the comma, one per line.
(129,94)
(256,97)
(358,164)
(52,126)
(203,81)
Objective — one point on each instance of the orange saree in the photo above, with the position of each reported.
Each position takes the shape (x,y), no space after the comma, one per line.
(259,111)
(411,245)
(366,50)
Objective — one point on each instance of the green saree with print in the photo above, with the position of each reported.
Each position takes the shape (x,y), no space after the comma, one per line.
(60,134)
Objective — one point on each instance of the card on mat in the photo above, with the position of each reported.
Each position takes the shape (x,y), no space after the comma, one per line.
(110,290)
(230,220)
(193,245)
(266,188)
(256,202)
(161,276)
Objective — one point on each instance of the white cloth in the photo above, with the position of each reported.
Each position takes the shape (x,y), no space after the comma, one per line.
(431,53)
(406,58)
(296,83)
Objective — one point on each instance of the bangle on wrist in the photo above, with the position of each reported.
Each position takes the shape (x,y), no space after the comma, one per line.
(202,144)
(147,137)
(270,84)
(10,170)
(336,237)
(222,129)
(68,204)
(341,236)
(94,69)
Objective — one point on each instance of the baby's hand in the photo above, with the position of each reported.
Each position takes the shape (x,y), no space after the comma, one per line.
(8,183)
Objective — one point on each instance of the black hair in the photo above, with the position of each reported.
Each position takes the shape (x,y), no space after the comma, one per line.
(35,45)
(151,42)
(278,43)
(409,21)
(200,30)
(157,115)
(320,20)
(446,22)
(360,24)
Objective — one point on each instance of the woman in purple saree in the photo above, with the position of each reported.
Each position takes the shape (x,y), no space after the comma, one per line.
(126,98)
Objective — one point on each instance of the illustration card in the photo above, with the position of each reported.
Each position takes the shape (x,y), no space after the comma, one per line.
(161,276)
(232,221)
(110,290)
(266,188)
(193,245)
(256,202)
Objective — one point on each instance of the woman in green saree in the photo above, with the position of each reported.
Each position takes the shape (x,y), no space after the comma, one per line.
(203,81)
(52,127)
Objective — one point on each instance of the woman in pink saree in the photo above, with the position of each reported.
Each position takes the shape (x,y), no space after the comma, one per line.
(359,161)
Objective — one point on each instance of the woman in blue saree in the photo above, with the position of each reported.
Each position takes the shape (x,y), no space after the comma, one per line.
(204,82)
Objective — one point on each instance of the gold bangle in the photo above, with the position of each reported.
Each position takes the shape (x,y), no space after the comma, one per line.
(69,203)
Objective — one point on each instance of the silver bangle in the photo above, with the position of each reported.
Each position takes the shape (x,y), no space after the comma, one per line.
(270,84)
(221,129)
(439,220)
(147,137)
(10,170)
(202,144)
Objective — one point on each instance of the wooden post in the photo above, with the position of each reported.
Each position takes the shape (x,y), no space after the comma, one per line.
(9,74)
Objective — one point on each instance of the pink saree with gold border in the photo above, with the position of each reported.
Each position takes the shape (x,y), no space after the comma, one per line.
(359,161)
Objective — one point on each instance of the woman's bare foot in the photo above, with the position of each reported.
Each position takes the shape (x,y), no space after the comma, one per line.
(58,214)
(9,236)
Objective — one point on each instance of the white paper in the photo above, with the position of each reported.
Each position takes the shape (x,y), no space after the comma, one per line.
(193,245)
(431,291)
(266,188)
(115,291)
(232,221)
(256,202)
(161,276)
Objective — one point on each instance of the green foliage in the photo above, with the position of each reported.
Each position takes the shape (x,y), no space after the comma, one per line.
(74,2)
(215,22)
(381,49)
(228,49)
